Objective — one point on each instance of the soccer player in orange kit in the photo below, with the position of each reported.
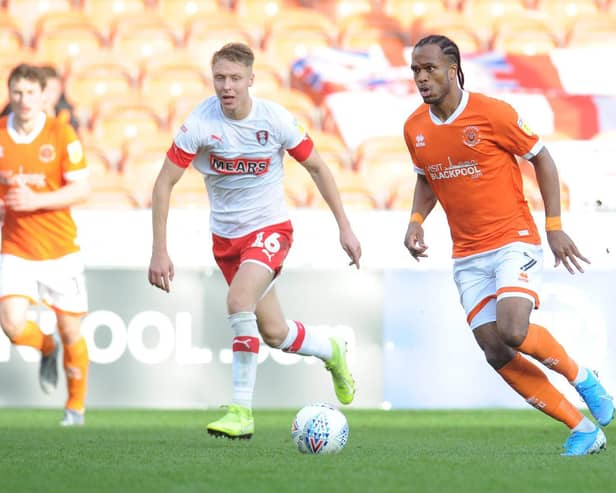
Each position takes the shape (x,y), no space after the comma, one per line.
(464,147)
(42,173)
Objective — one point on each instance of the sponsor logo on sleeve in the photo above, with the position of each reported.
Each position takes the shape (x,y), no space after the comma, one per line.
(75,152)
(525,128)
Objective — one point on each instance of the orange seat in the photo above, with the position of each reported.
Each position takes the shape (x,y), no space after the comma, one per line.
(362,31)
(354,192)
(206,34)
(104,12)
(92,80)
(285,47)
(407,11)
(190,192)
(388,176)
(297,103)
(118,121)
(65,43)
(165,84)
(332,149)
(139,37)
(180,12)
(257,14)
(268,77)
(373,148)
(107,190)
(298,185)
(593,32)
(28,11)
(338,10)
(140,167)
(470,36)
(11,34)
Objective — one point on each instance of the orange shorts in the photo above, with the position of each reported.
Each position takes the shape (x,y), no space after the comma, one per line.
(268,246)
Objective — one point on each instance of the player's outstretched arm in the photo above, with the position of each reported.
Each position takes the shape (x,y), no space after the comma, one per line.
(564,249)
(424,201)
(326,184)
(161,270)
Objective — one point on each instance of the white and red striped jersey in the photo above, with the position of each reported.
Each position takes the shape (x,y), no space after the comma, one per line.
(241,161)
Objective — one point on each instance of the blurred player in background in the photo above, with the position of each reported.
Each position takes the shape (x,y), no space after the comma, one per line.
(42,173)
(55,101)
(238,143)
(463,146)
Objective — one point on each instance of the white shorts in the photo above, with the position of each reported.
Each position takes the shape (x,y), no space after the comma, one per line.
(514,270)
(59,283)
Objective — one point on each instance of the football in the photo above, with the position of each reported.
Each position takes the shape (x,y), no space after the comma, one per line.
(320,428)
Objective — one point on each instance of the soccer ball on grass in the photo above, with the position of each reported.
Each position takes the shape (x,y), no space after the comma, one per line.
(320,428)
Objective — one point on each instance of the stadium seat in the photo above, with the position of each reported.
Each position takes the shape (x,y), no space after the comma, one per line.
(190,191)
(140,167)
(354,192)
(268,77)
(11,34)
(206,34)
(107,190)
(594,31)
(297,103)
(180,12)
(524,35)
(332,149)
(372,148)
(284,47)
(103,12)
(27,11)
(165,83)
(407,11)
(139,37)
(298,184)
(387,177)
(117,121)
(65,43)
(338,10)
(94,79)
(362,31)
(257,14)
(469,35)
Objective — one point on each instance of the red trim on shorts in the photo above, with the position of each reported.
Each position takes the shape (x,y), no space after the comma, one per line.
(478,307)
(180,157)
(299,340)
(246,344)
(517,289)
(302,151)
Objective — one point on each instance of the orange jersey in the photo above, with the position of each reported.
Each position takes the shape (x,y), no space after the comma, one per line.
(469,162)
(45,161)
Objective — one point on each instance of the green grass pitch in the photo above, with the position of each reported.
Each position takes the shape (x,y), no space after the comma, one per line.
(496,451)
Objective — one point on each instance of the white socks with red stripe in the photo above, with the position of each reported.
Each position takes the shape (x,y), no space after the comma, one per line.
(245,353)
(306,341)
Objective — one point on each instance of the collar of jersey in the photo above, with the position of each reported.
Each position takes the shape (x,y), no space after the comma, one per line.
(454,115)
(29,138)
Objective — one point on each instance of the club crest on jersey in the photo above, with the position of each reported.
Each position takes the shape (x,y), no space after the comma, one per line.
(262,137)
(47,153)
(420,140)
(471,136)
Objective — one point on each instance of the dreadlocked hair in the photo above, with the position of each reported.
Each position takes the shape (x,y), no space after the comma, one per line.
(449,48)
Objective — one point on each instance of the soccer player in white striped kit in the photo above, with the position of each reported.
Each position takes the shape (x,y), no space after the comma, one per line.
(238,143)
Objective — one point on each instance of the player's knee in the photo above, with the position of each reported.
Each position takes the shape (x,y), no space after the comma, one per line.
(513,334)
(272,335)
(498,356)
(11,328)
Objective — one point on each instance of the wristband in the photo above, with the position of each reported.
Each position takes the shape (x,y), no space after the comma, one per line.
(416,217)
(553,223)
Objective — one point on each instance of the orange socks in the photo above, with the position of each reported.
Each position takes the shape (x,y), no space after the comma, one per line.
(76,367)
(542,346)
(33,337)
(532,384)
